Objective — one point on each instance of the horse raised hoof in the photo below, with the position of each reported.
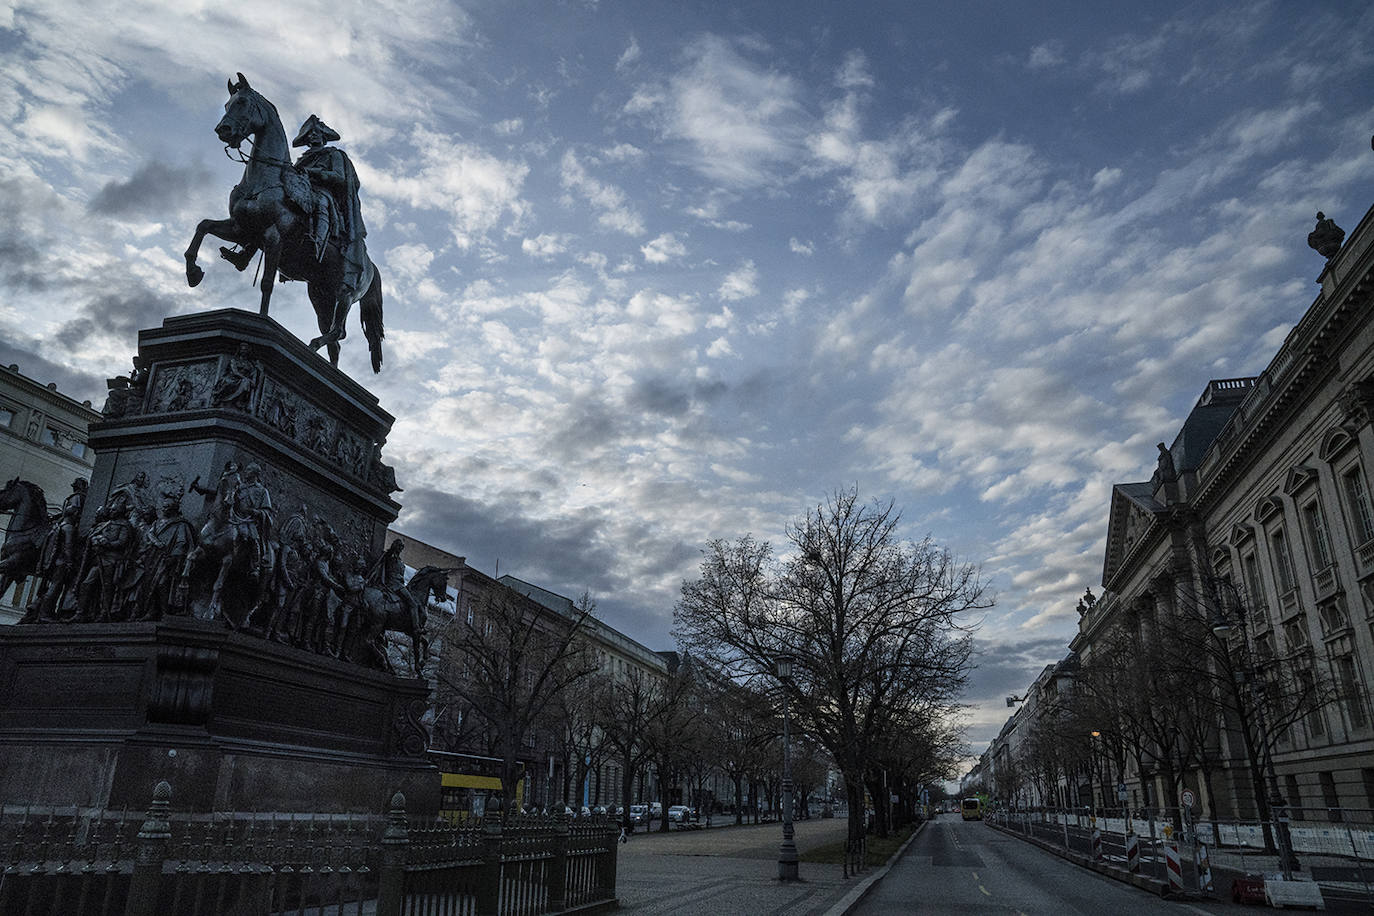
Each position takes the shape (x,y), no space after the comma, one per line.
(194,274)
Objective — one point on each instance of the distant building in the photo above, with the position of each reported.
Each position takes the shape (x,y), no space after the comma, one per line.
(43,441)
(1264,493)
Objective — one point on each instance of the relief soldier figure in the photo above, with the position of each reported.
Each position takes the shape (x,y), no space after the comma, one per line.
(172,538)
(236,385)
(107,551)
(251,515)
(60,556)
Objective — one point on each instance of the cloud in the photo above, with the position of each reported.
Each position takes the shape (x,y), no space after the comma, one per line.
(1105,178)
(796,246)
(152,191)
(740,284)
(854,72)
(663,249)
(474,189)
(614,211)
(743,124)
(546,245)
(1046,56)
(628,56)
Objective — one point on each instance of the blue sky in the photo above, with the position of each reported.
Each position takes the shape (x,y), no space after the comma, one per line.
(658,272)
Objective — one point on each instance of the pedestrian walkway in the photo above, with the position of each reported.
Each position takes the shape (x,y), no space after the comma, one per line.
(729,871)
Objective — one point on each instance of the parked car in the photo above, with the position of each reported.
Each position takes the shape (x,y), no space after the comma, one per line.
(638,814)
(656,809)
(679,813)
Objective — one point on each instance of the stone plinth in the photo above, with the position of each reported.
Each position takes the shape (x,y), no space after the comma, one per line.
(228,386)
(95,715)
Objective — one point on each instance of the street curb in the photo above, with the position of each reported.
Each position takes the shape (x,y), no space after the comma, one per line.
(851,899)
(1153,885)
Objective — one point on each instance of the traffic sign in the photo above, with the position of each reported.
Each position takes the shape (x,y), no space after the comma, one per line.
(1121,791)
(1188,798)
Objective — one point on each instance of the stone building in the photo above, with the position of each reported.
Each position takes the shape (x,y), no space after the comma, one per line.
(43,441)
(1259,516)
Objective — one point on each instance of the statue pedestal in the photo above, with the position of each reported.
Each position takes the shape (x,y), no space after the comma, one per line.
(96,714)
(232,386)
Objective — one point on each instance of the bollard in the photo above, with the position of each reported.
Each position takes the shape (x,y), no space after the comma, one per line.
(1132,853)
(1204,869)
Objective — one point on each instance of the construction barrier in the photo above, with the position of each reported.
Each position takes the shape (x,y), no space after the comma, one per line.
(1132,854)
(1204,869)
(1173,864)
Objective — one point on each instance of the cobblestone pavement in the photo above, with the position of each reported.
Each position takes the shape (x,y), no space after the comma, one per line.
(728,870)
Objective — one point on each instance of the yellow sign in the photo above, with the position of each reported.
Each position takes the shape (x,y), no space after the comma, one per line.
(468,781)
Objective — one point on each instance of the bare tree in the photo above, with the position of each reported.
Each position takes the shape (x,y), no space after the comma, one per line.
(872,622)
(509,662)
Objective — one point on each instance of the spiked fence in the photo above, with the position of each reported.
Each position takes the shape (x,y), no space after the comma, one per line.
(83,862)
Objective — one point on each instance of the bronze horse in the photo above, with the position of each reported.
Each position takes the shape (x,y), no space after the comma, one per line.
(28,526)
(382,611)
(269,211)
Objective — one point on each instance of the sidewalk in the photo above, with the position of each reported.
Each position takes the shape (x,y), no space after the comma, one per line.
(730,871)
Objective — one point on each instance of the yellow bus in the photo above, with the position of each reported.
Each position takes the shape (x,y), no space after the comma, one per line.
(972,809)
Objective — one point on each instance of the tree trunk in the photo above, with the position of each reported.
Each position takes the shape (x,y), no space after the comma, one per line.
(854,794)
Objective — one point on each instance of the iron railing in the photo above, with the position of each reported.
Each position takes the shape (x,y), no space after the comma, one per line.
(90,862)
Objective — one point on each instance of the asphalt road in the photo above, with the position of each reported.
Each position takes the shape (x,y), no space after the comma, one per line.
(957,866)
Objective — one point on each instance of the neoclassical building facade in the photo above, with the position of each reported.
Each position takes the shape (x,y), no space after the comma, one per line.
(1265,492)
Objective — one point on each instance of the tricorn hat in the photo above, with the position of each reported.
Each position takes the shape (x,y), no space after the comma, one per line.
(312,122)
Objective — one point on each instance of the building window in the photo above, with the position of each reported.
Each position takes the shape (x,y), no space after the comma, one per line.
(1283,562)
(6,417)
(1294,797)
(1351,692)
(1316,722)
(1357,503)
(1329,797)
(1253,584)
(1295,633)
(1319,546)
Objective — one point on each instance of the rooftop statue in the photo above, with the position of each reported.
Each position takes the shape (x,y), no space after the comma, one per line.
(304,218)
(1326,239)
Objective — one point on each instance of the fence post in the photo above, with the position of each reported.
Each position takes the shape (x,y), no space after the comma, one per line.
(153,837)
(391,876)
(558,865)
(606,866)
(489,875)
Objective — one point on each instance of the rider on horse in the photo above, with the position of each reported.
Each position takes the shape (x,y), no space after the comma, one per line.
(393,581)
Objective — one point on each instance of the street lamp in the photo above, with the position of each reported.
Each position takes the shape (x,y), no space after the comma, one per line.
(1092,767)
(787,854)
(1221,626)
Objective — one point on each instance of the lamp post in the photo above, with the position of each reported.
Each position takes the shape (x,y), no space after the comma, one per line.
(1288,860)
(787,854)
(1092,768)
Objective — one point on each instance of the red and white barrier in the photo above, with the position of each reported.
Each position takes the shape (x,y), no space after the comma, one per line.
(1132,853)
(1173,865)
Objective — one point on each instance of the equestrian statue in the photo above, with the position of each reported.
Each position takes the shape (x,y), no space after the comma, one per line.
(304,217)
